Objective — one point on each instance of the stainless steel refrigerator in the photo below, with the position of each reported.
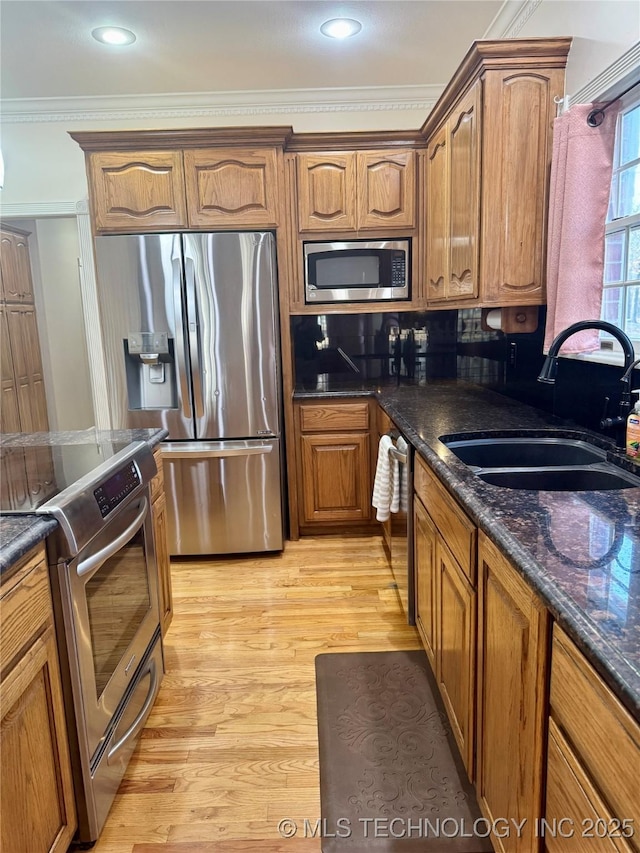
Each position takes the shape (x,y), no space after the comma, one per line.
(190,329)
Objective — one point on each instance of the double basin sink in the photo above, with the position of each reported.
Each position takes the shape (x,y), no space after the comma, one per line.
(542,463)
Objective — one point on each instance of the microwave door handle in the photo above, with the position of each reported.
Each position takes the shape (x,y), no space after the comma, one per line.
(137,724)
(92,563)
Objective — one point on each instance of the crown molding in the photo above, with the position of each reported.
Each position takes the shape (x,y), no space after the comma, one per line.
(614,79)
(36,209)
(213,104)
(511,18)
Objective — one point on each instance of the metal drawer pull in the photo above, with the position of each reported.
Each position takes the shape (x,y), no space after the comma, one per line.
(137,724)
(396,454)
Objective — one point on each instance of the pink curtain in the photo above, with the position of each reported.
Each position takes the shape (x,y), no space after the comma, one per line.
(581,169)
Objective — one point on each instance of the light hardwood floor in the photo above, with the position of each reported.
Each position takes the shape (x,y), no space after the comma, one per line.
(230,748)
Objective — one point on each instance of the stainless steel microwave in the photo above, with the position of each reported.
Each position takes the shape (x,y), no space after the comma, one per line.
(357,271)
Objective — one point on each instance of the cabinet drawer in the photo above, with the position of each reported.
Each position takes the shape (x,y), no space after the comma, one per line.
(157,484)
(345,416)
(603,735)
(25,606)
(455,528)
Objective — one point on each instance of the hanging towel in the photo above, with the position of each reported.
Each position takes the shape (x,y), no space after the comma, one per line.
(386,484)
(581,168)
(403,489)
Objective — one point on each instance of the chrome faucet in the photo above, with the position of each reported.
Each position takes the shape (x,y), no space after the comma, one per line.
(550,367)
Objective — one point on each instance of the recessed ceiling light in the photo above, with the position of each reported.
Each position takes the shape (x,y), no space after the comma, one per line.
(113,35)
(340,28)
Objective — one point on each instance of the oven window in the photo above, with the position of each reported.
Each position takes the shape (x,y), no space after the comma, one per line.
(359,269)
(118,600)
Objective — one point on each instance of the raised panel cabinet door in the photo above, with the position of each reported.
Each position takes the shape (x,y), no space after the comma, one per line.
(27,365)
(456,649)
(137,190)
(327,192)
(424,543)
(9,413)
(512,677)
(464,196)
(9,280)
(437,242)
(231,187)
(24,282)
(336,478)
(518,113)
(386,189)
(36,790)
(165,595)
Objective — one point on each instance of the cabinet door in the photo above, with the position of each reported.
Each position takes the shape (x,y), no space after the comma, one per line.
(424,539)
(456,649)
(27,365)
(9,412)
(15,268)
(464,196)
(437,242)
(234,187)
(327,192)
(512,678)
(518,115)
(386,189)
(336,477)
(137,190)
(165,596)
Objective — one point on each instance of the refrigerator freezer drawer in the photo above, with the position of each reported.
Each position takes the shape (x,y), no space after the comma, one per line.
(223,497)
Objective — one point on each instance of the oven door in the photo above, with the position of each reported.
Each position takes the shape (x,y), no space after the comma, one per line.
(110,610)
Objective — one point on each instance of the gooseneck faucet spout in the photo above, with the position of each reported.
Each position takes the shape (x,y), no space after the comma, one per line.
(550,367)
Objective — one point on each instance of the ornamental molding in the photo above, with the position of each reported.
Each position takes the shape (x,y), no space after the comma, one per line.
(614,79)
(213,104)
(37,209)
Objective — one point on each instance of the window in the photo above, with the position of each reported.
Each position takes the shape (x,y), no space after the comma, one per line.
(621,294)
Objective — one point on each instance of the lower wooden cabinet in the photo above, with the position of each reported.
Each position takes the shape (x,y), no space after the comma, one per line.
(446,608)
(335,466)
(593,760)
(160,534)
(36,787)
(512,677)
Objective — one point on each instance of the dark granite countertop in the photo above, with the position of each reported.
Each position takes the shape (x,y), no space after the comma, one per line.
(20,533)
(580,551)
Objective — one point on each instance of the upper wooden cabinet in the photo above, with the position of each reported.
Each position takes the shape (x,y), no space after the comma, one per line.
(354,190)
(235,186)
(487,174)
(137,190)
(15,267)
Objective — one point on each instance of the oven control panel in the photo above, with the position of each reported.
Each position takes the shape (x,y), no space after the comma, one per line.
(114,490)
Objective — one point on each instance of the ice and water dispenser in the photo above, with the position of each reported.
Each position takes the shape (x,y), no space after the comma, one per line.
(151,371)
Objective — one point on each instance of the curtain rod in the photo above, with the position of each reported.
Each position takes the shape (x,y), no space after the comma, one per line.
(596,117)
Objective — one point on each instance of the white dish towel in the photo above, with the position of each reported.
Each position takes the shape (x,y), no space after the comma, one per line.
(386,486)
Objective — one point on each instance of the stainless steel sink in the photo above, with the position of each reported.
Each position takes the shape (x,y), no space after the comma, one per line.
(524,452)
(553,463)
(594,478)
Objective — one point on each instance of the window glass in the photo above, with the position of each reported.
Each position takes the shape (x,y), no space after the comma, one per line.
(629,200)
(614,256)
(630,136)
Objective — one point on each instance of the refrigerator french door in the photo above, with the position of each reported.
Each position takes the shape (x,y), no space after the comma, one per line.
(190,329)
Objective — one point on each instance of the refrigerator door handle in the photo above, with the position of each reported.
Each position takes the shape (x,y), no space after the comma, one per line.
(202,450)
(185,393)
(194,335)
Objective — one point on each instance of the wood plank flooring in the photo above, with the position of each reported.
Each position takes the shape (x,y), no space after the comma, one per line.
(230,748)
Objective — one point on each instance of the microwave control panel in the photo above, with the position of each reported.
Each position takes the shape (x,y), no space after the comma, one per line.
(398,269)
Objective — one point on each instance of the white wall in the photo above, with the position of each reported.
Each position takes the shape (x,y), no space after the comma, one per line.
(54,252)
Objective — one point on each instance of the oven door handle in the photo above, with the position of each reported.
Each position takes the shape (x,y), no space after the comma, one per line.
(139,721)
(94,562)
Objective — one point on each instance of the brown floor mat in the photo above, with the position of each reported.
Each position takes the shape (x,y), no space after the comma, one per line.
(391,776)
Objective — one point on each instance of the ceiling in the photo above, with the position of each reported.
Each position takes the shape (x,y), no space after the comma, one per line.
(216,46)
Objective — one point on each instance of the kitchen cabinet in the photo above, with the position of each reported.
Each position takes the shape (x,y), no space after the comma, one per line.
(453,203)
(356,190)
(231,186)
(444,568)
(512,677)
(15,267)
(335,465)
(26,361)
(593,759)
(36,787)
(487,165)
(137,191)
(160,536)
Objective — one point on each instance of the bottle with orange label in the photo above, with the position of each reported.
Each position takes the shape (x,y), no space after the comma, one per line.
(633,431)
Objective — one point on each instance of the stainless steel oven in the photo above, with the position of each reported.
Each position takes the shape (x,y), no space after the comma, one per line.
(105,593)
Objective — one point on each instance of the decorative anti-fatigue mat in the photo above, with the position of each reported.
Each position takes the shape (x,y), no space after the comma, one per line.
(391,776)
